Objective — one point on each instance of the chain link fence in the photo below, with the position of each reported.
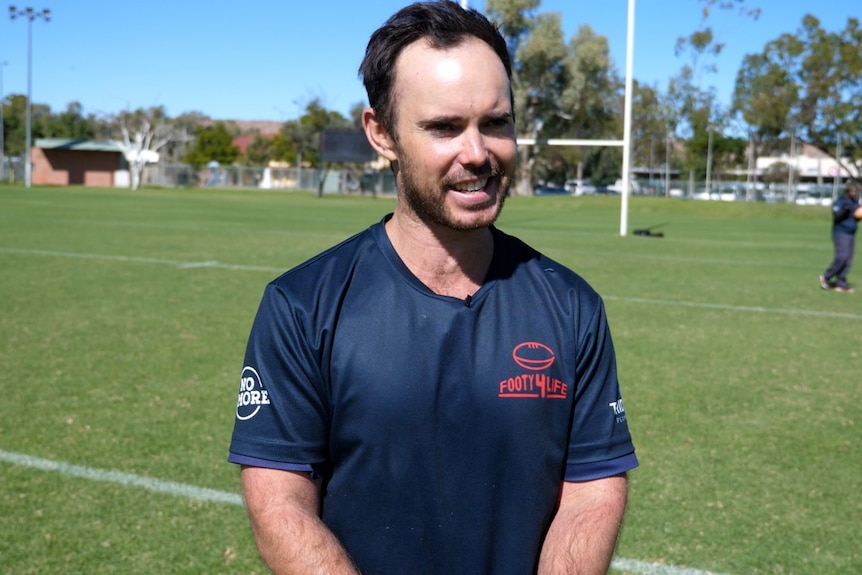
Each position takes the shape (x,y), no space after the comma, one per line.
(270,178)
(803,193)
(11,169)
(329,181)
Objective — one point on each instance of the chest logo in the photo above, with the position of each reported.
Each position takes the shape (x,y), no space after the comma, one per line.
(533,357)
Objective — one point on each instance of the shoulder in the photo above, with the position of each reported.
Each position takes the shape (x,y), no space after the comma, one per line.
(842,202)
(527,258)
(333,264)
(526,267)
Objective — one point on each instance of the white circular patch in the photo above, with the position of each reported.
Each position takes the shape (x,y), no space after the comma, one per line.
(251,395)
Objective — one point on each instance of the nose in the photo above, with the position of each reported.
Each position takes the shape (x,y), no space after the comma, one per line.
(474,152)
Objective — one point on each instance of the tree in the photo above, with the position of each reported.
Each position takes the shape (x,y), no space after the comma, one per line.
(539,78)
(259,151)
(591,103)
(649,125)
(807,84)
(184,127)
(14,114)
(356,114)
(71,124)
(765,95)
(299,140)
(692,111)
(143,133)
(212,144)
(15,123)
(702,44)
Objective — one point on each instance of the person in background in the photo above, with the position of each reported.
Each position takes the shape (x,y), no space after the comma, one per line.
(433,395)
(844,224)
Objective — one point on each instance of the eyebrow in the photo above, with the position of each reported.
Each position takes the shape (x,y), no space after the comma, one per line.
(454,119)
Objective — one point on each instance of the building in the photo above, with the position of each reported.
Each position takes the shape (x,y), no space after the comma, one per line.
(64,162)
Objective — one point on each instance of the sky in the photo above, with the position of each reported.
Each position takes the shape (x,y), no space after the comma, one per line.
(267,59)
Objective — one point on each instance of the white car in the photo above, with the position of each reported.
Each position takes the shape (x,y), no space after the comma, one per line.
(617,188)
(579,187)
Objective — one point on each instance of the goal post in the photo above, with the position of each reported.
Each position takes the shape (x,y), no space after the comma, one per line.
(625,143)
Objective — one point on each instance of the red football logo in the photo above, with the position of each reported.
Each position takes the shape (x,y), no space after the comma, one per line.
(533,356)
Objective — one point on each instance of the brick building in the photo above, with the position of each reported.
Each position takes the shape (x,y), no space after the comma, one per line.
(64,162)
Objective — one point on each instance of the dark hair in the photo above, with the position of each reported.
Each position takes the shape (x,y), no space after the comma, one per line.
(443,23)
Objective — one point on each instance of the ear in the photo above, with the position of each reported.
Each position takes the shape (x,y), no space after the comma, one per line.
(377,135)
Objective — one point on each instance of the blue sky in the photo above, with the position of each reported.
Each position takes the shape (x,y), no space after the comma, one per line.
(265,59)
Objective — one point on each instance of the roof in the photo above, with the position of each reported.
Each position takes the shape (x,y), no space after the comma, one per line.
(78,145)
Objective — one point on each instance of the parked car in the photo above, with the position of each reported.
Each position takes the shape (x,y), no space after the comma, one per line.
(580,187)
(551,190)
(617,188)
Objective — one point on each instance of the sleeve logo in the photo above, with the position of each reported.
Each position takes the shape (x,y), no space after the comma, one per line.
(251,394)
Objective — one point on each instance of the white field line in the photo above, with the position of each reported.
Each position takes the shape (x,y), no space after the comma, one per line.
(216,496)
(126,479)
(742,308)
(644,568)
(138,260)
(219,265)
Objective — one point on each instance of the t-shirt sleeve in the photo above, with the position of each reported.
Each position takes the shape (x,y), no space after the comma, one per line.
(282,413)
(600,444)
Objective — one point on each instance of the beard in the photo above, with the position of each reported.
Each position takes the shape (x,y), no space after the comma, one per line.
(427,199)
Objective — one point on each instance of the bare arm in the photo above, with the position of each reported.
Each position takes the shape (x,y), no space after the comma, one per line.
(584,531)
(284,510)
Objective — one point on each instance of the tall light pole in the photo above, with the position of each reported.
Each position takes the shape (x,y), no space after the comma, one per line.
(30,15)
(2,140)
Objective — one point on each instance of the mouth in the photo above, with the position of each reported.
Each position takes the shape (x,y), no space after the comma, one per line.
(470,186)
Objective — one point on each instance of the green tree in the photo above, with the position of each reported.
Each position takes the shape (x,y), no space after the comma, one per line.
(259,152)
(212,144)
(14,114)
(591,104)
(649,126)
(184,128)
(808,83)
(15,123)
(517,22)
(301,138)
(71,124)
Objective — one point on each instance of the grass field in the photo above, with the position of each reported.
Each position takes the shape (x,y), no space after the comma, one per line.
(123,318)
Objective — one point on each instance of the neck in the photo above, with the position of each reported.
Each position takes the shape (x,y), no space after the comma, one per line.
(449,262)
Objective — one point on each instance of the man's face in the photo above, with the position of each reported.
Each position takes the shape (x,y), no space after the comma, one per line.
(455,136)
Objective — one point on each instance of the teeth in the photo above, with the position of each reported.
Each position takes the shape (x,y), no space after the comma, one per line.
(472,186)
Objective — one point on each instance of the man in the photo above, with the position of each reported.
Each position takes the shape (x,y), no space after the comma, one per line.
(844,224)
(432,395)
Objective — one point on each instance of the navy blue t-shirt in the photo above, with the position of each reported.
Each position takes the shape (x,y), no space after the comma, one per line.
(442,428)
(848,224)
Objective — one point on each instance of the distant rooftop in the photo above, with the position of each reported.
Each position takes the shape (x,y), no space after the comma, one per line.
(77,144)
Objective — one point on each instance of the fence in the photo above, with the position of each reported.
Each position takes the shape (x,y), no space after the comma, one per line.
(11,169)
(800,193)
(383,182)
(326,180)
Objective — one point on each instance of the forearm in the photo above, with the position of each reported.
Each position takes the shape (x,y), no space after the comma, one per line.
(301,544)
(583,534)
(290,536)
